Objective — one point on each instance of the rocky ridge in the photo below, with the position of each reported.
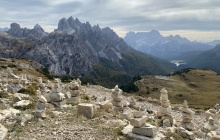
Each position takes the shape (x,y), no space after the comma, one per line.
(78,49)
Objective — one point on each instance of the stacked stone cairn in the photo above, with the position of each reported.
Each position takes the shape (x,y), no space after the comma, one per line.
(41,107)
(214,113)
(164,113)
(117,99)
(140,127)
(133,104)
(56,97)
(73,90)
(187,117)
(42,87)
(212,129)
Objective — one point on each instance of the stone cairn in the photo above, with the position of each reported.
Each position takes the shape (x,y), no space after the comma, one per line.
(164,114)
(117,99)
(187,117)
(212,129)
(41,86)
(214,113)
(41,107)
(73,90)
(140,127)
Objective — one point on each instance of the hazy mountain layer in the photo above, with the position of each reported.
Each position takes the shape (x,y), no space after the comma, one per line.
(171,47)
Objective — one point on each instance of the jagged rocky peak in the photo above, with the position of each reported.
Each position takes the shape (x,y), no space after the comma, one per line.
(96,28)
(17,31)
(63,25)
(38,32)
(15,26)
(178,38)
(4,29)
(71,25)
(37,26)
(110,33)
(155,32)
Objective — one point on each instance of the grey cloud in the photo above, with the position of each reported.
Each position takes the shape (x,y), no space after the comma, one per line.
(135,15)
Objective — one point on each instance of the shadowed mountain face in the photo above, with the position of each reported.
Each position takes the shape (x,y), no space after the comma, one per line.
(171,47)
(207,60)
(78,49)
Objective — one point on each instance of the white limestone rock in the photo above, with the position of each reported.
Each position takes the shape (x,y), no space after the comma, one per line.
(22,103)
(128,132)
(138,122)
(67,95)
(8,113)
(213,136)
(42,99)
(73,100)
(86,110)
(56,113)
(117,98)
(146,130)
(56,97)
(107,105)
(210,125)
(117,104)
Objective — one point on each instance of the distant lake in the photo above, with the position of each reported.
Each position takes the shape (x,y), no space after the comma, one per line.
(178,62)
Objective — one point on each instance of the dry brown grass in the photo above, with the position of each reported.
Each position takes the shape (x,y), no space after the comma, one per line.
(201,88)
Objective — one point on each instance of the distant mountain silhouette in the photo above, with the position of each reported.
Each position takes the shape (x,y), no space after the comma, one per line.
(171,47)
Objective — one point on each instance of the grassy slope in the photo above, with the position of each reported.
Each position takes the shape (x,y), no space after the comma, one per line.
(207,60)
(200,88)
(18,66)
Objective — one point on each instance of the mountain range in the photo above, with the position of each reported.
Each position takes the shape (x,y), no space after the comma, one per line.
(169,48)
(4,29)
(208,60)
(213,43)
(79,49)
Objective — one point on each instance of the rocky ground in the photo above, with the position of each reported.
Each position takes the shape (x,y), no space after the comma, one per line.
(32,108)
(64,123)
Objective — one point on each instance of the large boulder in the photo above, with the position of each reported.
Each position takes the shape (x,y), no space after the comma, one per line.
(14,88)
(86,110)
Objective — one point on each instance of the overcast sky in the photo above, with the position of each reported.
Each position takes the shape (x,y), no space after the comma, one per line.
(196,20)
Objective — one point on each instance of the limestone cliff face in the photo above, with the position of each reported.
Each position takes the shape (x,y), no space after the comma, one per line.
(74,48)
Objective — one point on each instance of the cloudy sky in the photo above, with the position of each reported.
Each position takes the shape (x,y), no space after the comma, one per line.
(196,20)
